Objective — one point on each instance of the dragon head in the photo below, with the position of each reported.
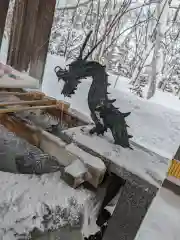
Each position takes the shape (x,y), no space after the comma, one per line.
(77,70)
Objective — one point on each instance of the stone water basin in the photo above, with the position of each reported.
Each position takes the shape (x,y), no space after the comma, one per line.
(35,202)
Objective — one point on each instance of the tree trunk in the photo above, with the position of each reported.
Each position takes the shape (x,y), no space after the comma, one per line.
(162,12)
(41,37)
(4,4)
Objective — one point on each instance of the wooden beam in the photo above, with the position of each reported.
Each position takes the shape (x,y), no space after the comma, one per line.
(41,37)
(21,129)
(4,5)
(31,103)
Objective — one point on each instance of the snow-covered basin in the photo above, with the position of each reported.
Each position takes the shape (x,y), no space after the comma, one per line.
(25,200)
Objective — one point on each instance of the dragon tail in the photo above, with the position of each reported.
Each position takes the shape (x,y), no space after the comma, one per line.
(116,122)
(120,135)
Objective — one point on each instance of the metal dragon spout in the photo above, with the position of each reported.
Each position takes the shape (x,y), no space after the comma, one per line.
(104,114)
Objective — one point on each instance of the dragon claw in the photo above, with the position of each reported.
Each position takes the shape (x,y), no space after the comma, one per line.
(92,131)
(99,130)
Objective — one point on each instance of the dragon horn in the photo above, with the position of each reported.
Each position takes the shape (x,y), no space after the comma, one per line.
(111,100)
(84,45)
(126,114)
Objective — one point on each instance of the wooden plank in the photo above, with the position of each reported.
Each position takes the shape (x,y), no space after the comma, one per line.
(41,37)
(34,102)
(21,129)
(4,4)
(61,113)
(28,96)
(21,109)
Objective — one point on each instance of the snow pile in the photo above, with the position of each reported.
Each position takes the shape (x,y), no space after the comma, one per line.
(29,202)
(45,203)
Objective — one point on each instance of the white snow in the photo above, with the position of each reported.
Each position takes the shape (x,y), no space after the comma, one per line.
(68,3)
(23,199)
(87,158)
(147,165)
(162,219)
(4,50)
(76,169)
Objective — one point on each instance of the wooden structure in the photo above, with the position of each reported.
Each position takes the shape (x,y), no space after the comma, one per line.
(25,126)
(4,4)
(31,28)
(33,116)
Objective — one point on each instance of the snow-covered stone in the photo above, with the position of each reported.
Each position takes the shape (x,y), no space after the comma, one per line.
(56,147)
(45,203)
(140,161)
(95,165)
(75,173)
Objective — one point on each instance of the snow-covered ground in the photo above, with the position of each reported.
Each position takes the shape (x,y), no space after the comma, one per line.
(153,123)
(68,3)
(162,219)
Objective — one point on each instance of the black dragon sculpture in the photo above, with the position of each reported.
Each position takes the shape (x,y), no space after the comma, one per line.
(104,114)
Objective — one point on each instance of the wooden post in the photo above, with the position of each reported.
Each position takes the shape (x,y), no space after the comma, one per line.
(41,37)
(16,33)
(28,31)
(4,5)
(31,28)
